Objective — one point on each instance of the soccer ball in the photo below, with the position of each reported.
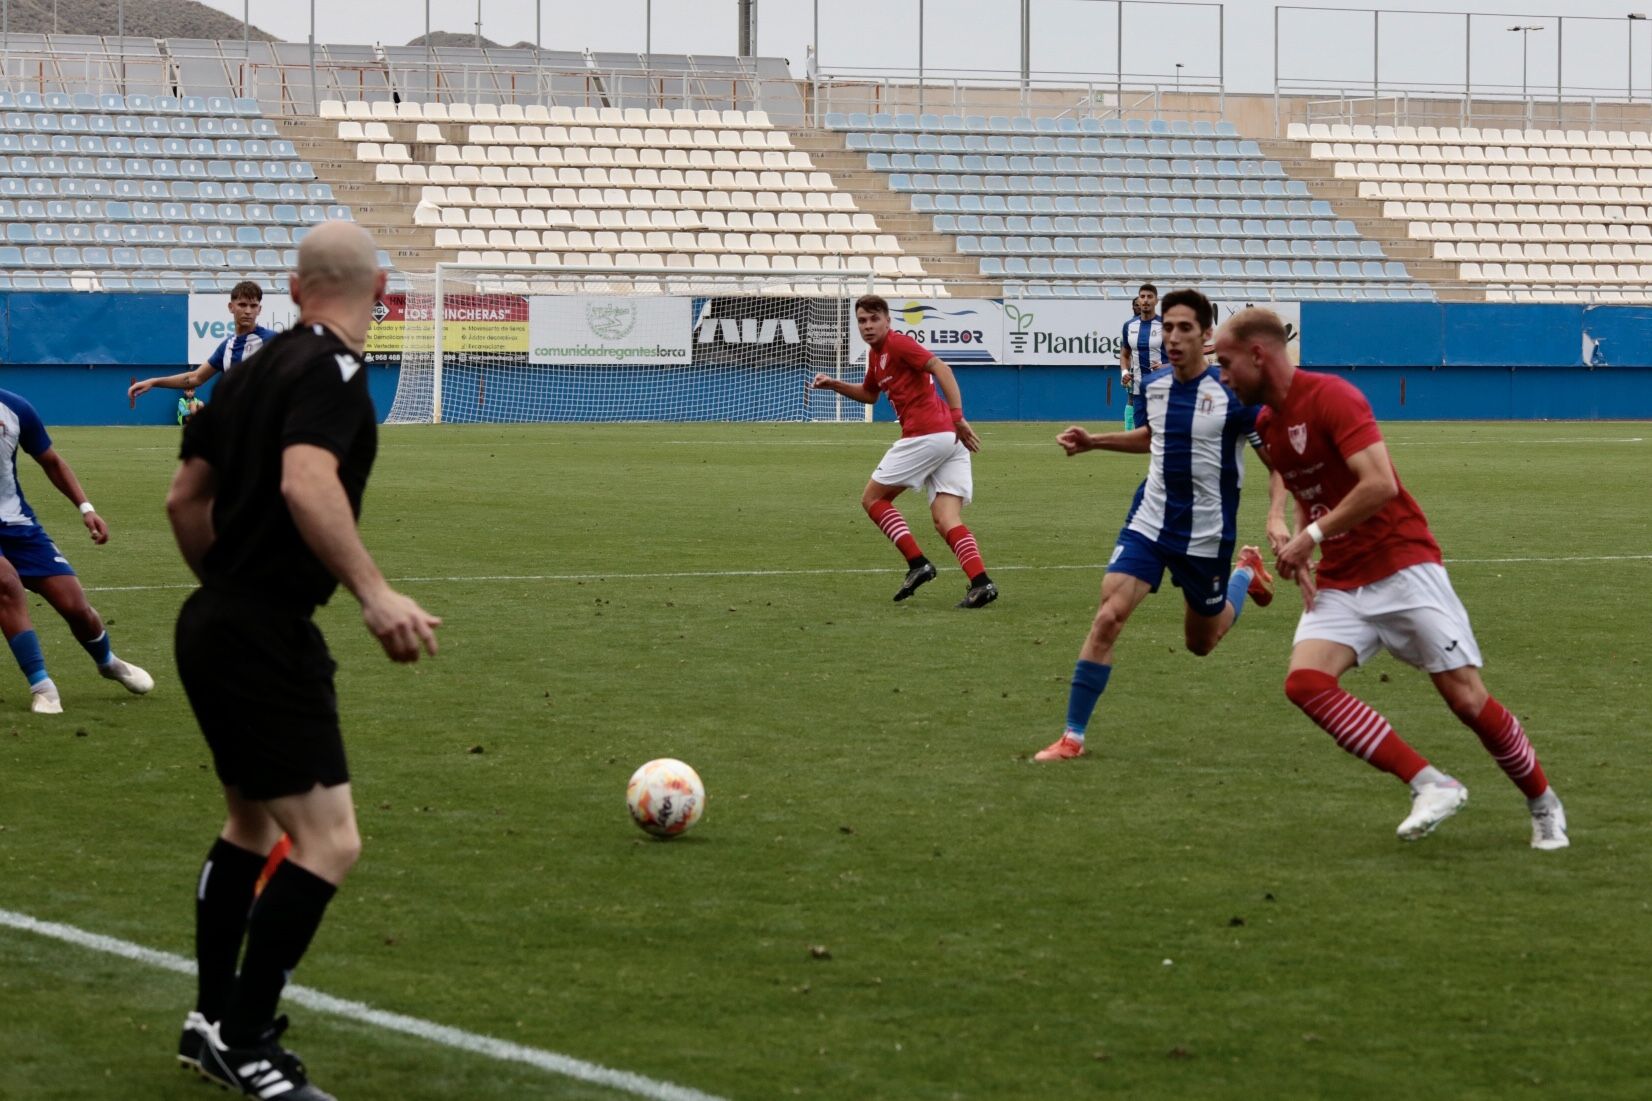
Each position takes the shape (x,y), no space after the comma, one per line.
(665,797)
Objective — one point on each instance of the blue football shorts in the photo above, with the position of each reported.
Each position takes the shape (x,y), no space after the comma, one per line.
(1203,581)
(31,551)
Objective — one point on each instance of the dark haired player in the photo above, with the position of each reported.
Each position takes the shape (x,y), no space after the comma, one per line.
(932,453)
(1184,515)
(246,299)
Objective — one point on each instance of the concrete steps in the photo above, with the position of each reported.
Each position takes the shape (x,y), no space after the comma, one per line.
(1366,214)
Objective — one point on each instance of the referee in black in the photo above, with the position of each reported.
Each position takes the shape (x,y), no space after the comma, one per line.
(264,509)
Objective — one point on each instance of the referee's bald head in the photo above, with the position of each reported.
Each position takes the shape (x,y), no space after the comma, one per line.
(336,260)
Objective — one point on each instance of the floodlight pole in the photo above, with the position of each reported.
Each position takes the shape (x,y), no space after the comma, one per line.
(1118,60)
(1525,30)
(315,102)
(1026,46)
(1629,90)
(1376,63)
(920,57)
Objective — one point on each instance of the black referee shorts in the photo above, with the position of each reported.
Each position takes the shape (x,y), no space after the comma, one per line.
(261,682)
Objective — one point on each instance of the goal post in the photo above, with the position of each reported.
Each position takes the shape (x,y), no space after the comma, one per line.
(524,344)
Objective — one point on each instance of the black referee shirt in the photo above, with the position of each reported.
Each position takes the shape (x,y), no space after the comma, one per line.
(303,387)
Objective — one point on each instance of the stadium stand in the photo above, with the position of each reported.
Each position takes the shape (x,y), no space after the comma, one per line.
(1092,207)
(1527,215)
(116,192)
(563,159)
(662,190)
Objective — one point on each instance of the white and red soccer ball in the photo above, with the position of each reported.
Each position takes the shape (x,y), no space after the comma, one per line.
(665,797)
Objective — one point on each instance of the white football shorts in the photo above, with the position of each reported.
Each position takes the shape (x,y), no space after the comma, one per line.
(937,462)
(1413,614)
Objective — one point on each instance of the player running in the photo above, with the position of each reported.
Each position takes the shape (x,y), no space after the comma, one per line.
(932,453)
(1380,583)
(246,299)
(30,560)
(1183,517)
(1141,348)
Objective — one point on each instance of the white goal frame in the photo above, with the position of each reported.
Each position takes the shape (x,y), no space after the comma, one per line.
(529,280)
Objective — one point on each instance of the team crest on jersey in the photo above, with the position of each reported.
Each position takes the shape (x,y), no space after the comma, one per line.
(1298,434)
(1207,404)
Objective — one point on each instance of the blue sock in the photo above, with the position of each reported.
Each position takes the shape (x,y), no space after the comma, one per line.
(1089,682)
(1238,584)
(25,647)
(99,648)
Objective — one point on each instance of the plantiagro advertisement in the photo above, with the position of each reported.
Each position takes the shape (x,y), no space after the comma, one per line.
(1044,332)
(641,330)
(1047,332)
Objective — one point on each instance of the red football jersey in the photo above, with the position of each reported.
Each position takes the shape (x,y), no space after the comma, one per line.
(1325,420)
(895,366)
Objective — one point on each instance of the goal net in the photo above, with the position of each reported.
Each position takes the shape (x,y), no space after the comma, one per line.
(528,344)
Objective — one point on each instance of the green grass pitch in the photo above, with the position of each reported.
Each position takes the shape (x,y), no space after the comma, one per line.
(1213,905)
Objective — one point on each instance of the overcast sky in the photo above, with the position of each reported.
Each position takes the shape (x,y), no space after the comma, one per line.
(1420,45)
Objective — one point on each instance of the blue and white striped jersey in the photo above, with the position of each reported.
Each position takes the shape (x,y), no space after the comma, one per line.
(1145,339)
(239,348)
(1190,500)
(21,426)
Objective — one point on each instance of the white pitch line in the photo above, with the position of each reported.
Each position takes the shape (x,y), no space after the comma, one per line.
(473,1043)
(690,575)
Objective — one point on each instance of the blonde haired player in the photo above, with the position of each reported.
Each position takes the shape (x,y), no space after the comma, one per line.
(1380,582)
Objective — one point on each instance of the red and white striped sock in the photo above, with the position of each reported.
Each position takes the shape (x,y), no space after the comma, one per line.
(969,556)
(889,518)
(1351,721)
(1505,739)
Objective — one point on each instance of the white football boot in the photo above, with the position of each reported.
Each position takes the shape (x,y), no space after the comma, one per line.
(1548,822)
(135,679)
(44,700)
(1431,804)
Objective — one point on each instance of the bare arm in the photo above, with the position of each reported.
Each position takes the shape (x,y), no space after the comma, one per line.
(321,513)
(954,401)
(63,477)
(1137,441)
(1279,532)
(189,510)
(183,380)
(854,391)
(1375,488)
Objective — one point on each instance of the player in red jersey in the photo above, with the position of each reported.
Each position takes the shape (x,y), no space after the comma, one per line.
(1380,583)
(932,453)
